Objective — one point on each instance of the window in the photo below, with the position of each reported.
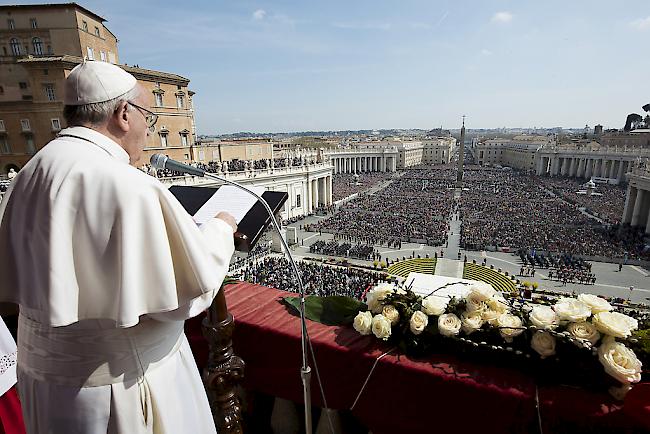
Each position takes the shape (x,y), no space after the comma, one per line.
(298,201)
(84,25)
(32,23)
(31,149)
(186,156)
(91,53)
(37,46)
(201,155)
(102,56)
(49,49)
(22,84)
(49,92)
(96,31)
(56,124)
(180,101)
(15,46)
(24,125)
(11,23)
(2,125)
(4,145)
(159,99)
(183,139)
(163,140)
(111,57)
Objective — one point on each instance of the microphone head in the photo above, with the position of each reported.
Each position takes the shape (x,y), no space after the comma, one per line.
(158,160)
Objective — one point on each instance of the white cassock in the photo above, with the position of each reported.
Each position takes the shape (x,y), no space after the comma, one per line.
(106,265)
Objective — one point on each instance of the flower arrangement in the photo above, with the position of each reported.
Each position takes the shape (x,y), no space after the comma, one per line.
(585,325)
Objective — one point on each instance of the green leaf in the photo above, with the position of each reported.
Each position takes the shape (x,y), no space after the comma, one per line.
(333,310)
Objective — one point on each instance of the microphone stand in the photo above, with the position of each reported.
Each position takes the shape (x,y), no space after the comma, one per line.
(305,370)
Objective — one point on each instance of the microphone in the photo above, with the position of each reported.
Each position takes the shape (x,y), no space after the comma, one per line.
(162,161)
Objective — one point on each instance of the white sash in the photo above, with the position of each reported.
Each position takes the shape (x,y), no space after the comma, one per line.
(82,355)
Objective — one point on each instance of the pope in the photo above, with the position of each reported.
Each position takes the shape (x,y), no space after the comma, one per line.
(105,266)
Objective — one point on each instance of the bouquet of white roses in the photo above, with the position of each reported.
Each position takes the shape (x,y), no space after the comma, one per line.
(588,322)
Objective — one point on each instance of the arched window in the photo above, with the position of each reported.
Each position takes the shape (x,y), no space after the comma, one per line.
(15,46)
(37,44)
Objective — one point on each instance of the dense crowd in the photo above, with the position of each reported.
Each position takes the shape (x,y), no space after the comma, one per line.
(359,251)
(321,280)
(347,184)
(606,203)
(506,209)
(415,206)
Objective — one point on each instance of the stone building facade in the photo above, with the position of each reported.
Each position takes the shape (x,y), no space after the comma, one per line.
(39,46)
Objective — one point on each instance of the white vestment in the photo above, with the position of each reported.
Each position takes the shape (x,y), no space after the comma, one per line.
(106,265)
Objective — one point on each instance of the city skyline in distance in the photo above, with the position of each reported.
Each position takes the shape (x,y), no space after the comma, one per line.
(287,66)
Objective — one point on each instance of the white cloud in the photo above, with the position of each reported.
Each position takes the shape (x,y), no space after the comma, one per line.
(259,14)
(486,52)
(641,23)
(503,17)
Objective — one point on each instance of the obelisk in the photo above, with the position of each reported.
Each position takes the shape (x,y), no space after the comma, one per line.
(461,156)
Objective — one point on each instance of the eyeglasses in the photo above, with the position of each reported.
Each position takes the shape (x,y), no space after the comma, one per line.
(150,117)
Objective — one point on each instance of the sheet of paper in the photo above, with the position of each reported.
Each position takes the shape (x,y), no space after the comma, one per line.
(228,198)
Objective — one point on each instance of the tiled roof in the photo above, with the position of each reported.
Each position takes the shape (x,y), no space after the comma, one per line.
(141,73)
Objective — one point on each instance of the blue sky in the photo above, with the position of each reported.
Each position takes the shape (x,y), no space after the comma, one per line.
(301,65)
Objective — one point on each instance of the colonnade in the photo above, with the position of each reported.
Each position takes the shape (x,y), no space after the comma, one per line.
(319,192)
(637,206)
(584,167)
(350,164)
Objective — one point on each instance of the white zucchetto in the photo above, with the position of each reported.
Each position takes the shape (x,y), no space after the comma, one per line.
(96,81)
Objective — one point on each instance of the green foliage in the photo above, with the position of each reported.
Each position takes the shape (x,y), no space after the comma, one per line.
(333,310)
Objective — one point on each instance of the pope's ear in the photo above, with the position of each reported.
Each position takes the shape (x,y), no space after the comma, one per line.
(121,115)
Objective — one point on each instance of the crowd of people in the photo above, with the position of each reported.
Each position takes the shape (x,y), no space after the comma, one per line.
(318,279)
(606,202)
(506,209)
(414,207)
(347,184)
(359,251)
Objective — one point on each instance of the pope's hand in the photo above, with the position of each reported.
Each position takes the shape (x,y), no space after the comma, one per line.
(225,216)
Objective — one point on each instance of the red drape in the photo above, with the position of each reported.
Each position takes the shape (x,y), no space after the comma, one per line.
(404,395)
(11,416)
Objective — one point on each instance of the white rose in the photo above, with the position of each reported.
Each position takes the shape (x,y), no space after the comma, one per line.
(544,317)
(498,304)
(471,321)
(595,303)
(474,305)
(375,297)
(449,324)
(543,343)
(615,324)
(434,305)
(620,362)
(391,314)
(419,320)
(570,309)
(585,331)
(381,327)
(491,316)
(481,291)
(509,326)
(362,322)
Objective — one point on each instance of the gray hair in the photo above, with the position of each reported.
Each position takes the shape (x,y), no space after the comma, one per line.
(96,113)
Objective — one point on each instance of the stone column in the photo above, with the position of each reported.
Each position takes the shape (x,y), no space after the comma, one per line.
(581,168)
(330,199)
(647,225)
(588,168)
(621,172)
(314,193)
(638,205)
(538,172)
(308,199)
(630,199)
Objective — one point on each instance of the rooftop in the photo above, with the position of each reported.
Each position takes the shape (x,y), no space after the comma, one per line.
(53,6)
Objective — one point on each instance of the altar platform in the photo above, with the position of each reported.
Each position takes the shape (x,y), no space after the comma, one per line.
(405,395)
